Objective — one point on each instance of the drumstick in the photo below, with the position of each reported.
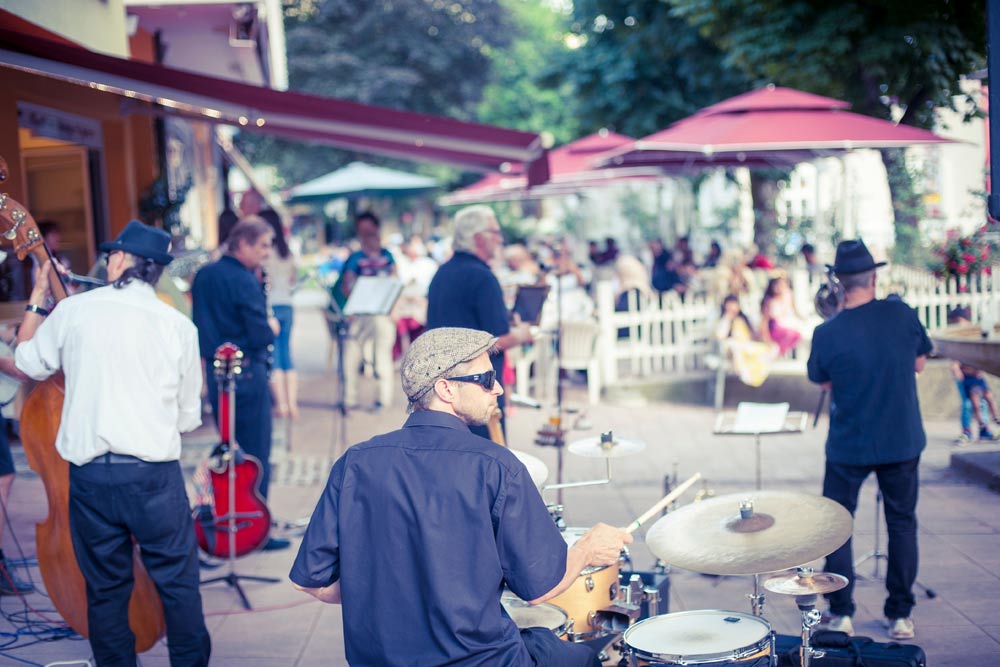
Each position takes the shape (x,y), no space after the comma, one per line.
(666,500)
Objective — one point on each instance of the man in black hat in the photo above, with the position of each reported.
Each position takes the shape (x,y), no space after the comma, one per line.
(420,530)
(133,385)
(867,356)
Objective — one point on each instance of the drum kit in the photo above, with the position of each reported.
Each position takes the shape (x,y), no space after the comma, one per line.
(759,533)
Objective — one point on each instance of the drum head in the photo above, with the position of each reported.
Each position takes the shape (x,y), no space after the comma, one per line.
(542,615)
(698,636)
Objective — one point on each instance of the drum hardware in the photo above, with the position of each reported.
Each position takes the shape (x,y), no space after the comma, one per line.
(807,585)
(551,434)
(704,492)
(604,447)
(556,512)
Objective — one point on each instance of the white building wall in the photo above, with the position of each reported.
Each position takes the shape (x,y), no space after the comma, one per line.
(97,24)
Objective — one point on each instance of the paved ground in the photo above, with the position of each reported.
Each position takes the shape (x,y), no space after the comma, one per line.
(959,531)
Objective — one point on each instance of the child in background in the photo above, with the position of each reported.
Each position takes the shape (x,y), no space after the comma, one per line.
(972,401)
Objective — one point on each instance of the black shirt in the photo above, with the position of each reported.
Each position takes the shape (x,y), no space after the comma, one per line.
(228,304)
(869,354)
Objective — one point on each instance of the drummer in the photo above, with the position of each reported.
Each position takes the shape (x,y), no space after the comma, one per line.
(419,530)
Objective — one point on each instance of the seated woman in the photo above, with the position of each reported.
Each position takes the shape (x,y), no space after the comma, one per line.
(751,359)
(777,316)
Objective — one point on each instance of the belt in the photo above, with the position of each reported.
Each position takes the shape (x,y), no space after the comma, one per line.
(111,457)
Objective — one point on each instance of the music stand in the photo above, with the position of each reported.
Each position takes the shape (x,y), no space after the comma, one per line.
(757,419)
(370,295)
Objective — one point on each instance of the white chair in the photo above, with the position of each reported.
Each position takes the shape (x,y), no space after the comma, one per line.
(578,352)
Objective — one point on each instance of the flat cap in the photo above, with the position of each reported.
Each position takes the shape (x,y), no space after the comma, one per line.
(436,352)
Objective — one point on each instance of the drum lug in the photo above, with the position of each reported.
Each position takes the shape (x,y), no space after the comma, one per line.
(589,583)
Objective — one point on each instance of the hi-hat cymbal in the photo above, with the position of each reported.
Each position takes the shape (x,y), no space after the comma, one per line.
(799,583)
(537,469)
(781,529)
(606,447)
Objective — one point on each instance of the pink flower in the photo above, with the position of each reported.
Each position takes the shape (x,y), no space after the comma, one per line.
(968,257)
(963,288)
(962,268)
(988,270)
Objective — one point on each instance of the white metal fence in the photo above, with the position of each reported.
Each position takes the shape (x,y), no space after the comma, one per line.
(660,334)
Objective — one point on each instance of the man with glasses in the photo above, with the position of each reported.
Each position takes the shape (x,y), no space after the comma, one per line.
(419,531)
(133,385)
(466,293)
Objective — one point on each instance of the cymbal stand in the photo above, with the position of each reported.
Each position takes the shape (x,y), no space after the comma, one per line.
(810,618)
(756,598)
(338,440)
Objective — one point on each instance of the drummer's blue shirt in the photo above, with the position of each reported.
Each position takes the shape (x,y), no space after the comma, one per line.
(424,527)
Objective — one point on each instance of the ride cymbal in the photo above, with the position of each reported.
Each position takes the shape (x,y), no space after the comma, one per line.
(750,533)
(606,447)
(806,583)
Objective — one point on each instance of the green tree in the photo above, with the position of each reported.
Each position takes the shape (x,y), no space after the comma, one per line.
(516,97)
(428,56)
(637,67)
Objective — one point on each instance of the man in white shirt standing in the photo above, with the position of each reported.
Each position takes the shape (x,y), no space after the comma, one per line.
(133,385)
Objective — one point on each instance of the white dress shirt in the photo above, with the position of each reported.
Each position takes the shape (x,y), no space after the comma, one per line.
(133,373)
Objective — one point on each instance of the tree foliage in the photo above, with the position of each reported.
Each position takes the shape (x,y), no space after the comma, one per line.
(909,53)
(639,68)
(428,56)
(517,96)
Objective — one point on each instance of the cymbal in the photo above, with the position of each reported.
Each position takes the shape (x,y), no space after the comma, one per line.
(606,447)
(799,583)
(780,530)
(537,469)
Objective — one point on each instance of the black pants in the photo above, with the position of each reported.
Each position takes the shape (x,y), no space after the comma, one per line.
(899,483)
(253,416)
(108,504)
(547,650)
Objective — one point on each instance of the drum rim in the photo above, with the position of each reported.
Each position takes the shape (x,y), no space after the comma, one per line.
(762,644)
(559,630)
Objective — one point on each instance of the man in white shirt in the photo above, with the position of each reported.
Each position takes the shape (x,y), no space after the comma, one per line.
(133,385)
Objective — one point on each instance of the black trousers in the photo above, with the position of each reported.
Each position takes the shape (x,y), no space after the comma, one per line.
(253,415)
(547,650)
(109,503)
(899,483)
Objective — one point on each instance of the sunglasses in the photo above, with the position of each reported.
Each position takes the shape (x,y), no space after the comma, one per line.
(484,380)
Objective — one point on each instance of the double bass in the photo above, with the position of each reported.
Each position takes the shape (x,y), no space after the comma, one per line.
(237,521)
(40,418)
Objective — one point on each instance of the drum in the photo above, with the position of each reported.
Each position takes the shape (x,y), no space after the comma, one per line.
(542,615)
(595,589)
(537,469)
(705,637)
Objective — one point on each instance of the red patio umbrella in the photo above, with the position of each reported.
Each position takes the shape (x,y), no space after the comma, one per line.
(571,167)
(768,127)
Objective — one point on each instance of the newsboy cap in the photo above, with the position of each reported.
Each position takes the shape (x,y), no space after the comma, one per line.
(434,353)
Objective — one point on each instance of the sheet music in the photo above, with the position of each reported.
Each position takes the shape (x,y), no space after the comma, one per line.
(373,295)
(760,417)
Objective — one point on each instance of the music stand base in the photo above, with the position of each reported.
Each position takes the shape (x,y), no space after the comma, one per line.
(233,580)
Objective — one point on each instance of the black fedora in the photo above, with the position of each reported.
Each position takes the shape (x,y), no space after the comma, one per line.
(853,257)
(143,241)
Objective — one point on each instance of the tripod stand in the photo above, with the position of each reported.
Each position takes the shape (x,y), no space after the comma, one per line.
(876,554)
(227,366)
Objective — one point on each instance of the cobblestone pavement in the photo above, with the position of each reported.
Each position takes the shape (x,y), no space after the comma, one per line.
(959,523)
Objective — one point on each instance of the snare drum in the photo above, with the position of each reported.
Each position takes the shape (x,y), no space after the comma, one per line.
(705,637)
(542,615)
(595,589)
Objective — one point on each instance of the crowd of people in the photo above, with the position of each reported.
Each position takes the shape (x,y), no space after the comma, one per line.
(437,481)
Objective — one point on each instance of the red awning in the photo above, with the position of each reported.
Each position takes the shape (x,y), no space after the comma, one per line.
(571,167)
(335,122)
(767,127)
